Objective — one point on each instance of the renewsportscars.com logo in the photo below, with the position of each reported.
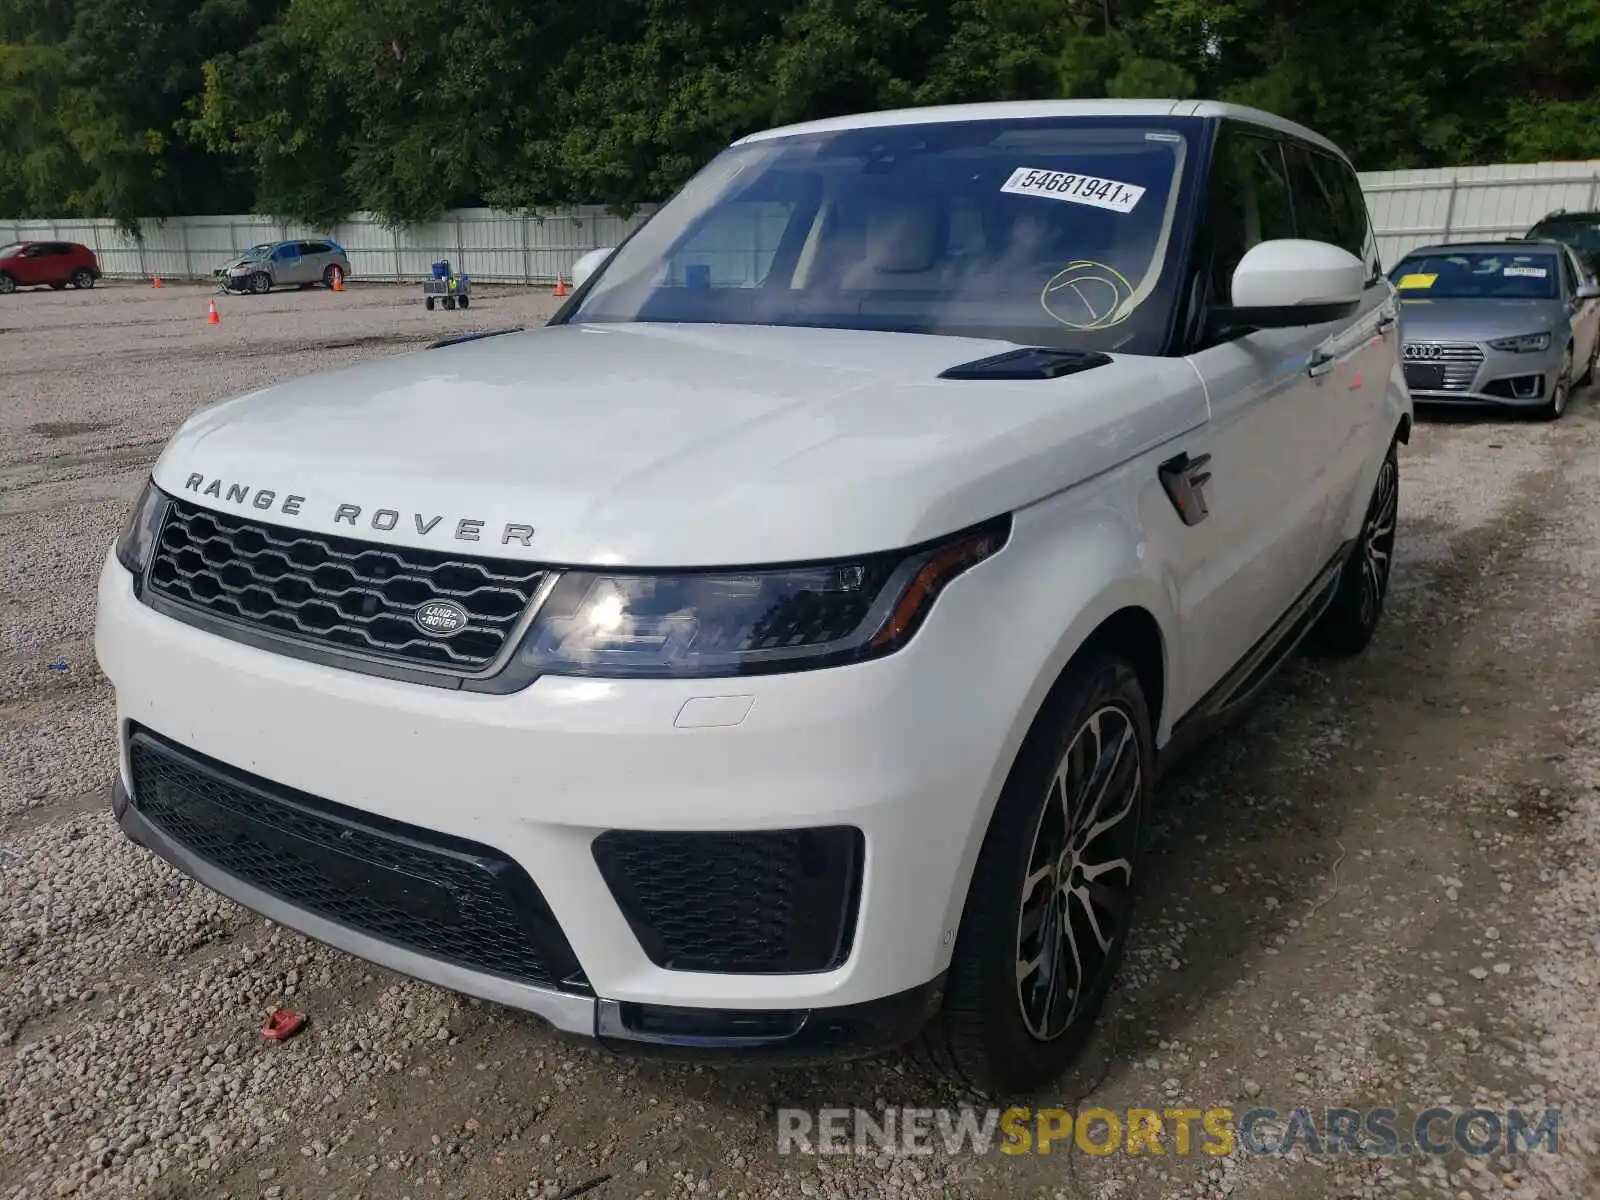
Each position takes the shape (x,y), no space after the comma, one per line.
(1319,1132)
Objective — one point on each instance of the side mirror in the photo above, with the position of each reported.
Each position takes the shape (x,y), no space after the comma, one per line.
(588,264)
(1589,291)
(1286,283)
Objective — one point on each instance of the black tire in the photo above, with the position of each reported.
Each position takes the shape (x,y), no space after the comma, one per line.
(997,1031)
(260,282)
(331,272)
(1352,618)
(449,303)
(462,301)
(427,303)
(1552,409)
(83,279)
(8,284)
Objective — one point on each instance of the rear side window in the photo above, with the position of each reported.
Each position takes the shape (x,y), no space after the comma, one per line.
(313,247)
(1248,202)
(1328,204)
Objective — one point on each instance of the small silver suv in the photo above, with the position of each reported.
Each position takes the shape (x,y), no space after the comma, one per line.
(285,264)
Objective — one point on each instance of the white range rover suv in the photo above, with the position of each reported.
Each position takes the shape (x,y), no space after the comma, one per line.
(773,654)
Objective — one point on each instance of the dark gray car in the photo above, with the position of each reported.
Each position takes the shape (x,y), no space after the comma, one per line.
(1506,323)
(294,263)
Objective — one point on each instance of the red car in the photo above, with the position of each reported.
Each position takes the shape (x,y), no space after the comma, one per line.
(30,264)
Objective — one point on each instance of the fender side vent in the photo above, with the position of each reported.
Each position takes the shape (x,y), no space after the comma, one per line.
(1030,362)
(473,337)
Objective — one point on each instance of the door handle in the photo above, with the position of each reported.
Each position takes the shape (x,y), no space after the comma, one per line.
(1320,363)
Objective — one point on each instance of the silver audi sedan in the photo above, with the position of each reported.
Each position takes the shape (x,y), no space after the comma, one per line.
(1502,323)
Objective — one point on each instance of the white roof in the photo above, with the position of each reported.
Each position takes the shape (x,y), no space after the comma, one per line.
(1014,109)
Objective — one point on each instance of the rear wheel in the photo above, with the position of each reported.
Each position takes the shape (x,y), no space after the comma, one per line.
(462,301)
(449,302)
(83,278)
(7,284)
(1051,899)
(332,274)
(1352,617)
(427,303)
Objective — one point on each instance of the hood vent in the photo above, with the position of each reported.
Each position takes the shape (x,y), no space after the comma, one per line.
(1030,362)
(457,339)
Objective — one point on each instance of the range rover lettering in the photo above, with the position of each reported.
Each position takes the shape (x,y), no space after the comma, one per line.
(774,654)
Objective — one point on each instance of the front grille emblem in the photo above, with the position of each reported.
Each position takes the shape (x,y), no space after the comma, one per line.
(442,618)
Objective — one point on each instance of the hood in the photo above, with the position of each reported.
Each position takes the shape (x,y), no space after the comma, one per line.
(671,445)
(1477,320)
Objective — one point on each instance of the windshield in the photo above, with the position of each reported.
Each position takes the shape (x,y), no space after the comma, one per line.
(1478,274)
(11,251)
(259,251)
(1056,232)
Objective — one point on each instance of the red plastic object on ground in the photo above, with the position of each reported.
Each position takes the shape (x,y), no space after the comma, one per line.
(283,1024)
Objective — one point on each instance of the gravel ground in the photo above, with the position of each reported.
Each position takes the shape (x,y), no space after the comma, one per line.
(1382,889)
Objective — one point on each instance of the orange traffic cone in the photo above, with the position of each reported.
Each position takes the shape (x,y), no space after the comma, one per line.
(156,281)
(338,281)
(211,317)
(561,286)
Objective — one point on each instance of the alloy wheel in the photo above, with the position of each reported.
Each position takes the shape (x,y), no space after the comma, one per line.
(1078,890)
(1377,540)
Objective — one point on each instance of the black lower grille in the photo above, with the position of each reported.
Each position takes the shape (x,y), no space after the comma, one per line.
(754,903)
(337,592)
(444,897)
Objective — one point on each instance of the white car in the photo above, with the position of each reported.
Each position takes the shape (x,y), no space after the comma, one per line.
(774,654)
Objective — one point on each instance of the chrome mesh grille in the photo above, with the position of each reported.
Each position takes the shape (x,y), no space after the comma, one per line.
(1447,367)
(338,592)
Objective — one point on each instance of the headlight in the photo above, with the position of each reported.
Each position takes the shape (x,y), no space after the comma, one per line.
(701,623)
(1523,344)
(138,538)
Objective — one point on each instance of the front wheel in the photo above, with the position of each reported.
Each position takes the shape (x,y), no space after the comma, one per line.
(260,283)
(427,303)
(1562,388)
(462,301)
(1051,899)
(7,284)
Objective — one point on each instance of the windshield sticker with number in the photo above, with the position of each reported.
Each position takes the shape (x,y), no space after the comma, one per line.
(1075,189)
(1528,272)
(1419,283)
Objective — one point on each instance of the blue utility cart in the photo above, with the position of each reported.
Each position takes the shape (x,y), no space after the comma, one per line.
(446,287)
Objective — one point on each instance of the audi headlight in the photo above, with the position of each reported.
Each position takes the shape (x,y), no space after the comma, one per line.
(137,540)
(1523,344)
(714,622)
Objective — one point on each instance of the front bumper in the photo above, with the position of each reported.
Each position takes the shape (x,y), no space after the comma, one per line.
(1474,373)
(894,748)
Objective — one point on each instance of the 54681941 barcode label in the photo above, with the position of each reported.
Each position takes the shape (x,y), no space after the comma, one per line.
(1075,189)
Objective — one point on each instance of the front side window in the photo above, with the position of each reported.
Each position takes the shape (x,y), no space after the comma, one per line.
(1478,274)
(1057,232)
(11,250)
(1248,202)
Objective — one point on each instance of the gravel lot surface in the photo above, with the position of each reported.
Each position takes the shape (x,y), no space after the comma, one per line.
(1381,890)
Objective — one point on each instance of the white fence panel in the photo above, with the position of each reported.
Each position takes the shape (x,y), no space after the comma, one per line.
(1461,204)
(487,244)
(1409,209)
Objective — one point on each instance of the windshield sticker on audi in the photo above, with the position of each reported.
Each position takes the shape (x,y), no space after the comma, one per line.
(1528,272)
(1417,283)
(383,520)
(1075,189)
